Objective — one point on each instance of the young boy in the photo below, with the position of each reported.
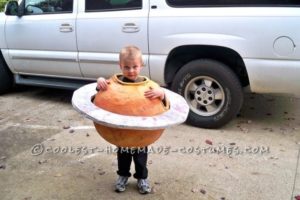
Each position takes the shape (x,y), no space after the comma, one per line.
(130,61)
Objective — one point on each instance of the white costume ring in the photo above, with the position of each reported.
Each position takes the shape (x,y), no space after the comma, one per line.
(177,113)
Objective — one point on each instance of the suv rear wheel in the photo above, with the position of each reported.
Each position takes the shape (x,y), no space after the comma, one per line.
(211,89)
(6,77)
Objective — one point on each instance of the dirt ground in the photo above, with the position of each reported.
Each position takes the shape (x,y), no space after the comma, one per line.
(49,151)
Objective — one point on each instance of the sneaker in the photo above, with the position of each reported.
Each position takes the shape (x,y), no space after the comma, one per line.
(121,184)
(144,186)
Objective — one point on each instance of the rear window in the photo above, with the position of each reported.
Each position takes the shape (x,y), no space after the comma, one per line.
(236,3)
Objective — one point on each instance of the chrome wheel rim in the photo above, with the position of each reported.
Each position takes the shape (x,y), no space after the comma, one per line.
(204,95)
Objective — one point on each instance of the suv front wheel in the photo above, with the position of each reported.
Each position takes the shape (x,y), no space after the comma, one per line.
(211,89)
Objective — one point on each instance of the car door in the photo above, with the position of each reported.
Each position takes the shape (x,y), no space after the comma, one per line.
(104,27)
(43,41)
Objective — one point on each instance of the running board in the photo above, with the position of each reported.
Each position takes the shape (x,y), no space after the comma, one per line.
(51,82)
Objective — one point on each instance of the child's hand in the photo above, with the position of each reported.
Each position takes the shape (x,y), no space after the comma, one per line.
(102,83)
(155,93)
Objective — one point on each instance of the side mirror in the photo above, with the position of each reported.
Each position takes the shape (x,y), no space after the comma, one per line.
(13,8)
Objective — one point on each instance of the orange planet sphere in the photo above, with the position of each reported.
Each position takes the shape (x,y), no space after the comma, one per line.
(128,99)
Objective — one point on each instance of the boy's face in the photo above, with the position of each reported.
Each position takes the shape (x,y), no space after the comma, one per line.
(131,68)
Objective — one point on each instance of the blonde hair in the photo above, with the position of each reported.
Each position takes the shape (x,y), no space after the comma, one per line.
(130,53)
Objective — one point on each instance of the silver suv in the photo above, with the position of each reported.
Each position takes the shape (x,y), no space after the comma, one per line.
(207,51)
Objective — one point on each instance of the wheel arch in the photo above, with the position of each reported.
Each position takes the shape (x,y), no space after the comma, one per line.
(3,61)
(6,76)
(181,55)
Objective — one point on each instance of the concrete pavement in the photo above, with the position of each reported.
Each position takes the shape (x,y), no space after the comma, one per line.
(253,157)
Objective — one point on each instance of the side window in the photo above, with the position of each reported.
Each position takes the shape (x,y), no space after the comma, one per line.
(48,6)
(104,5)
(192,3)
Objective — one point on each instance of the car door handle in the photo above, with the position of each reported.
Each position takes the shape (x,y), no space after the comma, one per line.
(130,28)
(65,28)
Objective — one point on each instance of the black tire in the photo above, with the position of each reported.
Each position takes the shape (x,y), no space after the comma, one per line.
(212,90)
(6,77)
